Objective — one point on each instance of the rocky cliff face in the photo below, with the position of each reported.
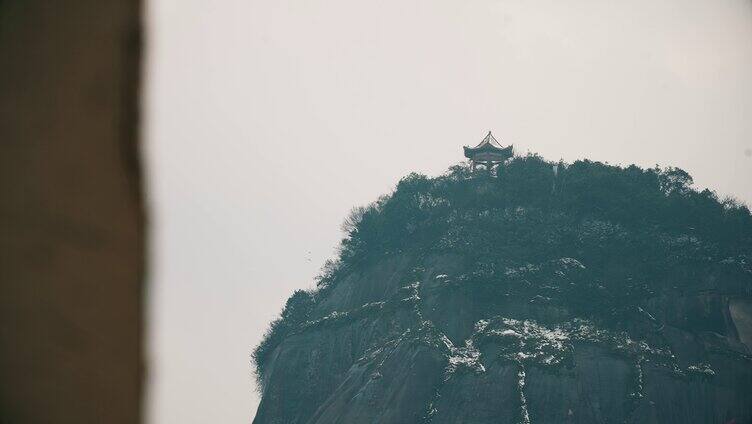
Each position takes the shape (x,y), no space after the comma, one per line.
(461,300)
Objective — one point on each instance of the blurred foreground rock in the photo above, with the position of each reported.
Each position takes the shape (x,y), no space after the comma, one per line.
(71,212)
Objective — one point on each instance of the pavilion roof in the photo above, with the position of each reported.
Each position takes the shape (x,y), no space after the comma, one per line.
(489,149)
(489,140)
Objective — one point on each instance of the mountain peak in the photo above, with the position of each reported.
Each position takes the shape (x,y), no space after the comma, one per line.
(578,292)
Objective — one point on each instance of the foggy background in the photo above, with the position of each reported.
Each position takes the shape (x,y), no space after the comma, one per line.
(266,121)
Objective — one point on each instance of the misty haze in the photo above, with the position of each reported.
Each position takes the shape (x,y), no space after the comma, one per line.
(300,112)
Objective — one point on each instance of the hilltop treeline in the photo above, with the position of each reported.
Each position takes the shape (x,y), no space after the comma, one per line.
(425,211)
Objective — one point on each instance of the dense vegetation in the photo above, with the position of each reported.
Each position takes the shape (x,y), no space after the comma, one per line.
(614,219)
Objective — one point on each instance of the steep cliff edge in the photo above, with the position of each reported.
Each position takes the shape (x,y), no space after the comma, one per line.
(595,294)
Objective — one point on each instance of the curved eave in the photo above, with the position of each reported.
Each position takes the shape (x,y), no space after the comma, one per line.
(506,152)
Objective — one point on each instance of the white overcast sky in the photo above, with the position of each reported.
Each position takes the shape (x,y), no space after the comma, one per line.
(266,121)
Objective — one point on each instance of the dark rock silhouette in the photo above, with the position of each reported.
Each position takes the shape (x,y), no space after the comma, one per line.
(72,225)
